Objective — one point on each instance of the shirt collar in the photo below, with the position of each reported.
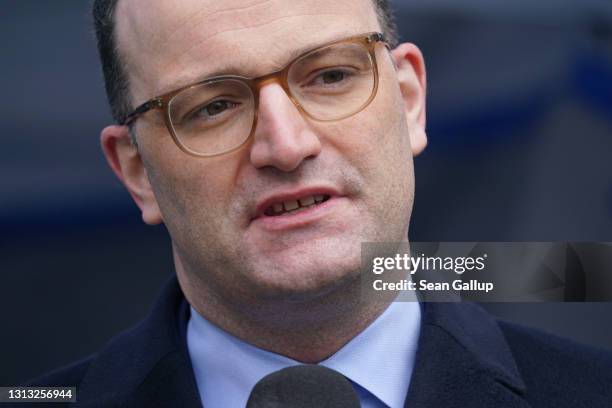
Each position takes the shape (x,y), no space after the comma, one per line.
(379,359)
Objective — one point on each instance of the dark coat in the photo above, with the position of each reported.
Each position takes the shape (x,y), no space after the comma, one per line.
(465,359)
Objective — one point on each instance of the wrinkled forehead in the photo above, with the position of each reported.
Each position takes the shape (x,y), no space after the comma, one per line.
(165,44)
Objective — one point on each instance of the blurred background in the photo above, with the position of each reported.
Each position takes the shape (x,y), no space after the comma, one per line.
(520,130)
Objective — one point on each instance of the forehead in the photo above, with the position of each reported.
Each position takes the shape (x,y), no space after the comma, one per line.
(170,43)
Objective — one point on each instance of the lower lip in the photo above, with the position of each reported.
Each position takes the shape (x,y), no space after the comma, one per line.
(298,219)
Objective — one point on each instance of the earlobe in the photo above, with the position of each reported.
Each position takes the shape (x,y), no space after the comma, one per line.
(412,79)
(124,159)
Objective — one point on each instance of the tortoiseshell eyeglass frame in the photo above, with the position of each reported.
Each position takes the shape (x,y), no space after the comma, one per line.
(281,77)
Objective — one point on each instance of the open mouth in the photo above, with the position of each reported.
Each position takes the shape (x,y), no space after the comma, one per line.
(294,206)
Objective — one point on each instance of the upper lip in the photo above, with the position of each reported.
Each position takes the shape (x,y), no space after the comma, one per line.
(294,194)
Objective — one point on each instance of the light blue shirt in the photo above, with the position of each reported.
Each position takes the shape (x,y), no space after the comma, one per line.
(378,362)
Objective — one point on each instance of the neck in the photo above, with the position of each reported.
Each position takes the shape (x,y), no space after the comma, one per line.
(307,331)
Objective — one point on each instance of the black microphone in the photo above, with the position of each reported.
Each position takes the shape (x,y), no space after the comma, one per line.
(304,386)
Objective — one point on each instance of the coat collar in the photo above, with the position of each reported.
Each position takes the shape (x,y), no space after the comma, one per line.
(462,360)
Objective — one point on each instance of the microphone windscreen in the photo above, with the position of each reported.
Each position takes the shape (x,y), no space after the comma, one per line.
(304,386)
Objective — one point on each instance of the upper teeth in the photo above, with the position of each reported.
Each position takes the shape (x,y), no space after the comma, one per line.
(293,205)
(307,201)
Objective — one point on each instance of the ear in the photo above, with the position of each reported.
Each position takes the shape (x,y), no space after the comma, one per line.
(123,157)
(413,86)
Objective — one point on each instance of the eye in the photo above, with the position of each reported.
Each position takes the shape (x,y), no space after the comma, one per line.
(213,109)
(330,77)
(209,112)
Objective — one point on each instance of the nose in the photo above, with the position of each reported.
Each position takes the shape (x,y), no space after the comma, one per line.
(282,138)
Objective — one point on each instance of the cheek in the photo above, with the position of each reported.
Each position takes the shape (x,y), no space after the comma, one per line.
(389,130)
(194,195)
(377,139)
(376,142)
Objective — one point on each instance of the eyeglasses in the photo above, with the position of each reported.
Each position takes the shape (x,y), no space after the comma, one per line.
(219,115)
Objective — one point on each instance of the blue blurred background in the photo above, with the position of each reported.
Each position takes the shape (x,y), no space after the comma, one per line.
(520,128)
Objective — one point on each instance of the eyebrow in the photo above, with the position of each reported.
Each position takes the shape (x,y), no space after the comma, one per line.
(179,81)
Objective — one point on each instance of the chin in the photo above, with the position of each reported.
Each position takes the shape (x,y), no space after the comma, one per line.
(305,273)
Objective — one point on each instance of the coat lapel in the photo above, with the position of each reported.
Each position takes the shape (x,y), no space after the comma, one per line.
(463,361)
(146,366)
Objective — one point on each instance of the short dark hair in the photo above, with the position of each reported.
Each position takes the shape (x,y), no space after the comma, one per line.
(115,75)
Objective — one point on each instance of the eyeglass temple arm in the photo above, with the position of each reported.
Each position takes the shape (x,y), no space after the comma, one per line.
(145,107)
(377,37)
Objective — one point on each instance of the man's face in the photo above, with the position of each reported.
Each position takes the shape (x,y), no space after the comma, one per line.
(213,207)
